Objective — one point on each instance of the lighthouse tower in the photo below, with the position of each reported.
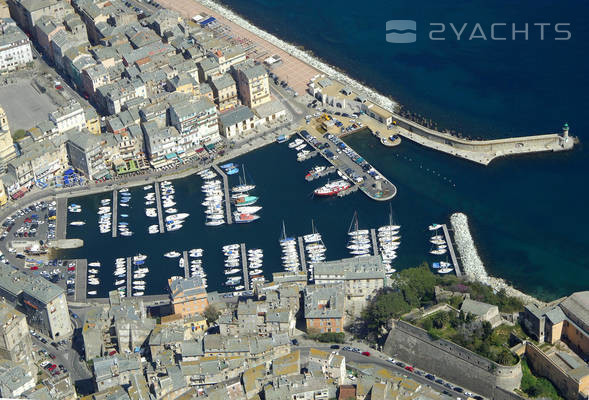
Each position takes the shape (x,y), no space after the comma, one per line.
(565,132)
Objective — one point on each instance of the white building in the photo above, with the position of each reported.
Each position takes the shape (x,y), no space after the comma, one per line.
(237,121)
(15,46)
(198,122)
(71,116)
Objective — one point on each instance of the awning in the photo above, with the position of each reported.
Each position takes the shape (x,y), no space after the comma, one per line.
(170,156)
(210,146)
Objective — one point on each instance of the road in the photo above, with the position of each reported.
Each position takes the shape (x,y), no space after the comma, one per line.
(352,356)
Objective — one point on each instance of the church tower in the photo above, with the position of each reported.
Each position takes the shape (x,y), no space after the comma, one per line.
(7,151)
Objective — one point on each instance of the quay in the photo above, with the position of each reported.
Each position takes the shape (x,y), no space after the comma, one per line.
(158,202)
(377,187)
(61,218)
(302,254)
(226,190)
(329,170)
(186,265)
(246,281)
(115,207)
(388,127)
(129,277)
(451,251)
(81,280)
(374,242)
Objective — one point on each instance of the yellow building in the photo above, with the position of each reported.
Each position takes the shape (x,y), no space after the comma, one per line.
(3,195)
(253,85)
(92,121)
(188,295)
(7,151)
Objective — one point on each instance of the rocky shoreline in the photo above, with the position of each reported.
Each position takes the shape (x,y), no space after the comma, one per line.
(473,266)
(302,55)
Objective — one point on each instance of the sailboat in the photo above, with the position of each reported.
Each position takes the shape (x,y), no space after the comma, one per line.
(243,187)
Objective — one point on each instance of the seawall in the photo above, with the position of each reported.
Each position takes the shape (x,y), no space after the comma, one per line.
(450,361)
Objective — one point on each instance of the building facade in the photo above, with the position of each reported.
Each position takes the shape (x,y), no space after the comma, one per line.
(15,47)
(188,295)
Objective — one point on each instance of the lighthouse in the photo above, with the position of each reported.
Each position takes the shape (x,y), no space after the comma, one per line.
(565,132)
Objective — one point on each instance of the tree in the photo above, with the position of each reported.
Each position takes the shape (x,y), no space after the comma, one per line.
(487,330)
(211,314)
(19,134)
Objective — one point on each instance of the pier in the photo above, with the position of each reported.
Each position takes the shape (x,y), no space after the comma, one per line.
(451,251)
(61,218)
(246,281)
(129,277)
(478,151)
(81,281)
(302,254)
(374,242)
(115,207)
(158,202)
(351,166)
(186,264)
(329,170)
(226,190)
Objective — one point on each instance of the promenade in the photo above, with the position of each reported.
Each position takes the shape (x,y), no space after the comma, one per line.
(115,208)
(160,210)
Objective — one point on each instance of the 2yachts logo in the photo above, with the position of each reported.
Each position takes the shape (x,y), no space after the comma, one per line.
(405,31)
(401,31)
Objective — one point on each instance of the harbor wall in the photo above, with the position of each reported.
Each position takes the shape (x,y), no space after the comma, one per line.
(451,361)
(472,265)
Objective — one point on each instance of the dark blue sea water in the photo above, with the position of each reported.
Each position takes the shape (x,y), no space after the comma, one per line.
(528,214)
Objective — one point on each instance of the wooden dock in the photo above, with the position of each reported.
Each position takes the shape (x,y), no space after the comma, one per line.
(81,281)
(374,242)
(129,277)
(186,264)
(61,218)
(451,251)
(226,190)
(246,281)
(160,211)
(115,207)
(302,254)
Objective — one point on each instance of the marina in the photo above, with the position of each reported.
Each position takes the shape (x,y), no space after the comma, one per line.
(129,276)
(246,277)
(350,165)
(374,242)
(302,254)
(453,258)
(115,203)
(186,264)
(226,190)
(158,202)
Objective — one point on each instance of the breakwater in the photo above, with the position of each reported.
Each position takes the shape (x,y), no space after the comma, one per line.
(472,265)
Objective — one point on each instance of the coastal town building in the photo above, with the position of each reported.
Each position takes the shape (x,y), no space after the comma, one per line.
(252,84)
(28,12)
(188,295)
(43,302)
(15,46)
(15,341)
(324,308)
(115,370)
(70,116)
(362,278)
(197,122)
(7,151)
(225,92)
(236,122)
(332,365)
(482,311)
(86,154)
(15,380)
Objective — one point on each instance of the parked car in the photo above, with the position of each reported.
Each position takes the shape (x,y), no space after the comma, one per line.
(409,368)
(366,353)
(335,346)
